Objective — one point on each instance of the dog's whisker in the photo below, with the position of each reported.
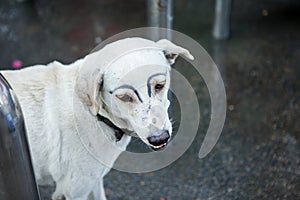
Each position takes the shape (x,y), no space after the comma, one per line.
(172,120)
(133,139)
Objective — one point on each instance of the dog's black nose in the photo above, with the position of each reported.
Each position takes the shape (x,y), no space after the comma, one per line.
(160,139)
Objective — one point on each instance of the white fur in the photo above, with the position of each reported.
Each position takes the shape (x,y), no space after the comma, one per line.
(48,93)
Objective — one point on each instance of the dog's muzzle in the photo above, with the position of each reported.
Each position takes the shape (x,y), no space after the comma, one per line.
(159,141)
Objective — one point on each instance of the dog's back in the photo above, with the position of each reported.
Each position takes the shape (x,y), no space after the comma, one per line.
(45,96)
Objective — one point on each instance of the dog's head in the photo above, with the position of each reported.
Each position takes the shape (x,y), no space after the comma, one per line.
(131,87)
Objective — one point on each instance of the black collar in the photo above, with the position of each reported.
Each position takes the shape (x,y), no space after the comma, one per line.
(118,132)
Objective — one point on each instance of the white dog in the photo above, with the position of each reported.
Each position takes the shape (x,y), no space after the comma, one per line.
(79,117)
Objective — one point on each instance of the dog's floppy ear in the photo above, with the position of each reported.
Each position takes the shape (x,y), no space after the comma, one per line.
(95,95)
(172,51)
(88,87)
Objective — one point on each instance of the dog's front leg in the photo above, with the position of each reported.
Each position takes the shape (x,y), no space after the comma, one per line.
(69,188)
(98,191)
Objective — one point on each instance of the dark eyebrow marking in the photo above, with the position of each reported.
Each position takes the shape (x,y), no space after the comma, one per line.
(149,79)
(128,87)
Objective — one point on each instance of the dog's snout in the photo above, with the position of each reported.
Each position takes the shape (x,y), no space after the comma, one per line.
(160,139)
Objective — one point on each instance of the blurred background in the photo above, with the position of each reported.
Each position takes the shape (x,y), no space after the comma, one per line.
(258,153)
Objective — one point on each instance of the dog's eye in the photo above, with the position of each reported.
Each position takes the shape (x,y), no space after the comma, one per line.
(158,87)
(125,98)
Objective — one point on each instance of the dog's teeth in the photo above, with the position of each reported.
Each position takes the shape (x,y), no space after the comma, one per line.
(157,147)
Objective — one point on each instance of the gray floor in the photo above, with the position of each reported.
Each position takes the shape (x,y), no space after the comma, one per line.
(258,153)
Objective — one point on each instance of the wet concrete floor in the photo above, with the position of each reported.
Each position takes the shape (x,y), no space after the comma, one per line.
(258,153)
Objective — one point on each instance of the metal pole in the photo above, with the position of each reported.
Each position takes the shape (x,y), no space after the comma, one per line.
(17,181)
(160,14)
(221,28)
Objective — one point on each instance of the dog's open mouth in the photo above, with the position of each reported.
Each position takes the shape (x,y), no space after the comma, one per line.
(159,141)
(159,147)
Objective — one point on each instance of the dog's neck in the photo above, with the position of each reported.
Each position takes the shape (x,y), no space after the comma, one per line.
(118,131)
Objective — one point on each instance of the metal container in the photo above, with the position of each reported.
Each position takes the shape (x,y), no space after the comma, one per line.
(17,181)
